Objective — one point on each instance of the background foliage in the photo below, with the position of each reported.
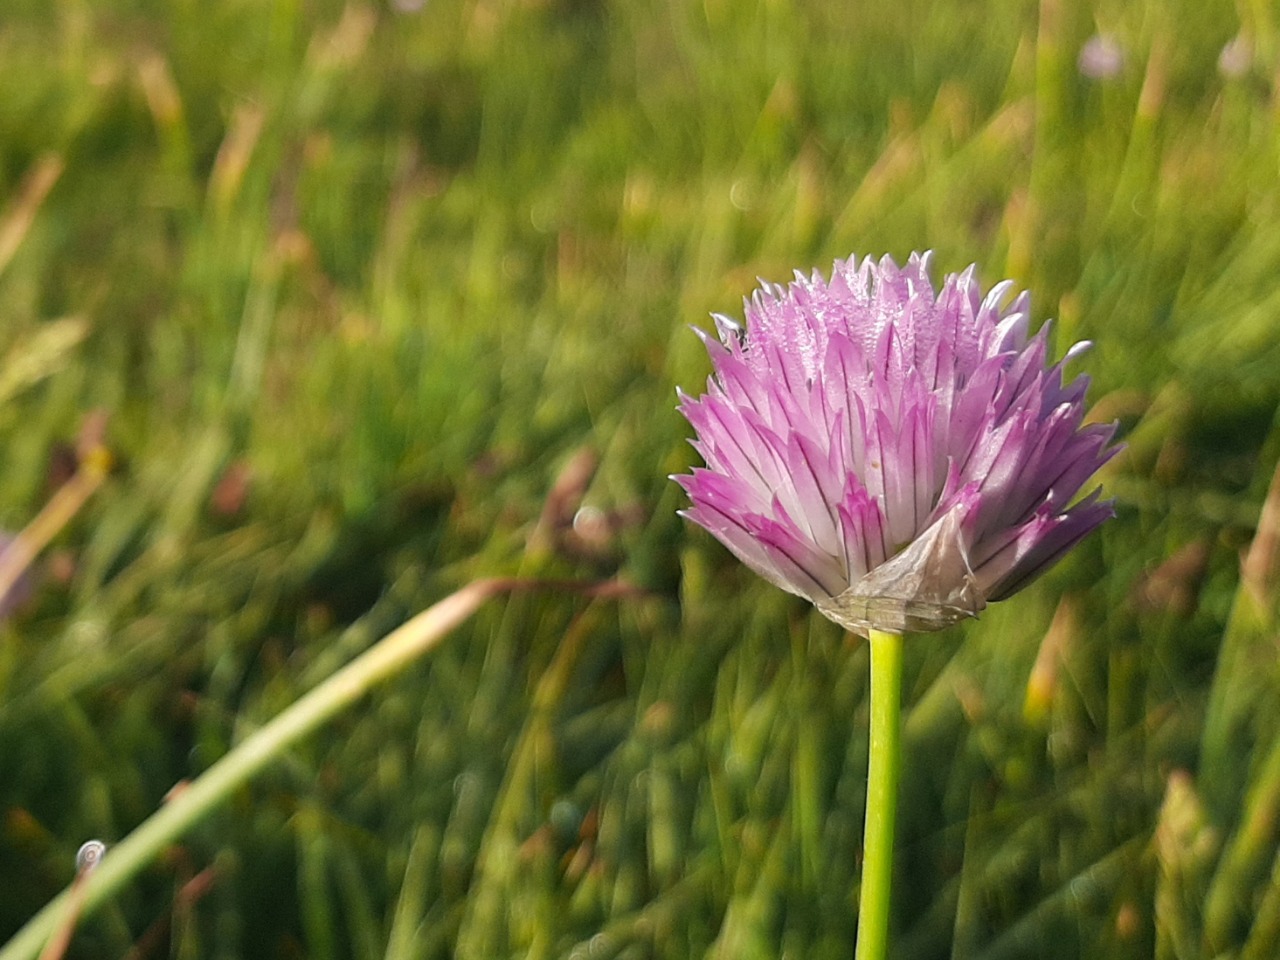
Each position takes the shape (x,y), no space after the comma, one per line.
(380,298)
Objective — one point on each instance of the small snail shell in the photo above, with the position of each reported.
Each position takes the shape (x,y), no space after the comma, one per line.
(89,855)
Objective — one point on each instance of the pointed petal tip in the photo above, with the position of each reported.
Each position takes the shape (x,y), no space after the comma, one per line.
(728,328)
(922,260)
(997,294)
(1077,350)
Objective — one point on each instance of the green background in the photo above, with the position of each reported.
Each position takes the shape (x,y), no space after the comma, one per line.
(377,299)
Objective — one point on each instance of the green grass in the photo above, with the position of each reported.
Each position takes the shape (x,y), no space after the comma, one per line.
(400,269)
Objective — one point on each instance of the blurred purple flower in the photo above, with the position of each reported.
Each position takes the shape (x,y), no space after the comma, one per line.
(897,456)
(1101,57)
(1236,57)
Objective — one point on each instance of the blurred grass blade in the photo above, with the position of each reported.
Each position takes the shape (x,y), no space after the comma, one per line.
(1231,895)
(16,221)
(1186,846)
(1085,894)
(66,502)
(40,356)
(1243,690)
(411,904)
(1263,941)
(189,805)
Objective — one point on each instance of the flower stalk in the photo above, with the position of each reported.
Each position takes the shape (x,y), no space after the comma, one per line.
(884,766)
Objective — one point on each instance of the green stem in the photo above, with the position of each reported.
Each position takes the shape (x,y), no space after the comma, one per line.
(188,805)
(884,764)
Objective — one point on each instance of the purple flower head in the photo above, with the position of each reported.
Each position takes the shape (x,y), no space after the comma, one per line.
(899,456)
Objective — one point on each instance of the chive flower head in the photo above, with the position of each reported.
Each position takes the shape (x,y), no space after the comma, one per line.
(899,455)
